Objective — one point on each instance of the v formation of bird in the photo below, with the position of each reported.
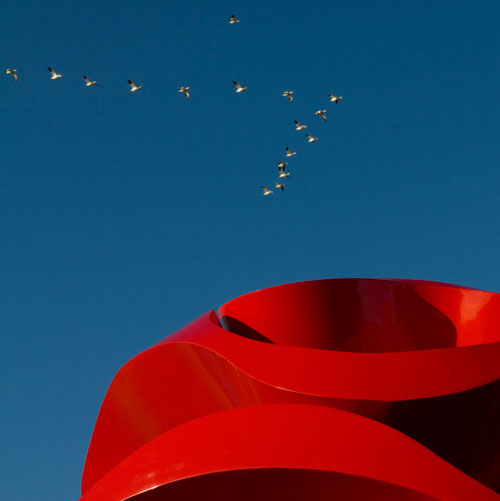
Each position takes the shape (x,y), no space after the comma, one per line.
(282,173)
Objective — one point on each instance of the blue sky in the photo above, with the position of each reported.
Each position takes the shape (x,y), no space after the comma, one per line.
(124,216)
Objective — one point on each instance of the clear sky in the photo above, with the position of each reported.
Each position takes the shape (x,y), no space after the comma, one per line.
(125,215)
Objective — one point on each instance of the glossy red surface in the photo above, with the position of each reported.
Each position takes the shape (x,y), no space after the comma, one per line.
(348,387)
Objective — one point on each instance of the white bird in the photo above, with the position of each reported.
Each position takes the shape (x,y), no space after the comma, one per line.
(54,74)
(12,72)
(289,152)
(89,82)
(321,113)
(334,98)
(282,164)
(280,186)
(266,191)
(233,20)
(282,171)
(239,88)
(299,126)
(184,90)
(134,87)
(311,138)
(288,94)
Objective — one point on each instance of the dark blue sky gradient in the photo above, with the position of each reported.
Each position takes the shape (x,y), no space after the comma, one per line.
(124,216)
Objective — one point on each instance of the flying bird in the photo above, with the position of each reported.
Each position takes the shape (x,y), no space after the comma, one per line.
(239,88)
(134,87)
(282,171)
(184,90)
(321,113)
(280,186)
(289,152)
(288,94)
(233,20)
(334,98)
(266,191)
(12,72)
(54,74)
(299,126)
(89,82)
(311,138)
(282,164)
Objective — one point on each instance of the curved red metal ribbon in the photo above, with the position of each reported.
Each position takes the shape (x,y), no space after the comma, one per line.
(373,389)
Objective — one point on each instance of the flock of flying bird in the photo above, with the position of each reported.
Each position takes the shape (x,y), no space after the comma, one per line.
(238,89)
(298,126)
(289,153)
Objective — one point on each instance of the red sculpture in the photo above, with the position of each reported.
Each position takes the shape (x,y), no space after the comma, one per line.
(330,389)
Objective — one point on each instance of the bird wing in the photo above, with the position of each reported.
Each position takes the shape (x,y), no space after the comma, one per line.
(238,86)
(86,79)
(51,71)
(132,84)
(14,74)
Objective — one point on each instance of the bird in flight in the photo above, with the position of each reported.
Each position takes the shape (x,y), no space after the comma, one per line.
(289,152)
(54,74)
(12,72)
(288,94)
(266,191)
(239,88)
(282,171)
(282,164)
(299,126)
(233,20)
(280,186)
(89,82)
(321,113)
(134,87)
(184,90)
(334,98)
(311,138)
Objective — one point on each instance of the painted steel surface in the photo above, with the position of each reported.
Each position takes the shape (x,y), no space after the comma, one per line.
(360,388)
